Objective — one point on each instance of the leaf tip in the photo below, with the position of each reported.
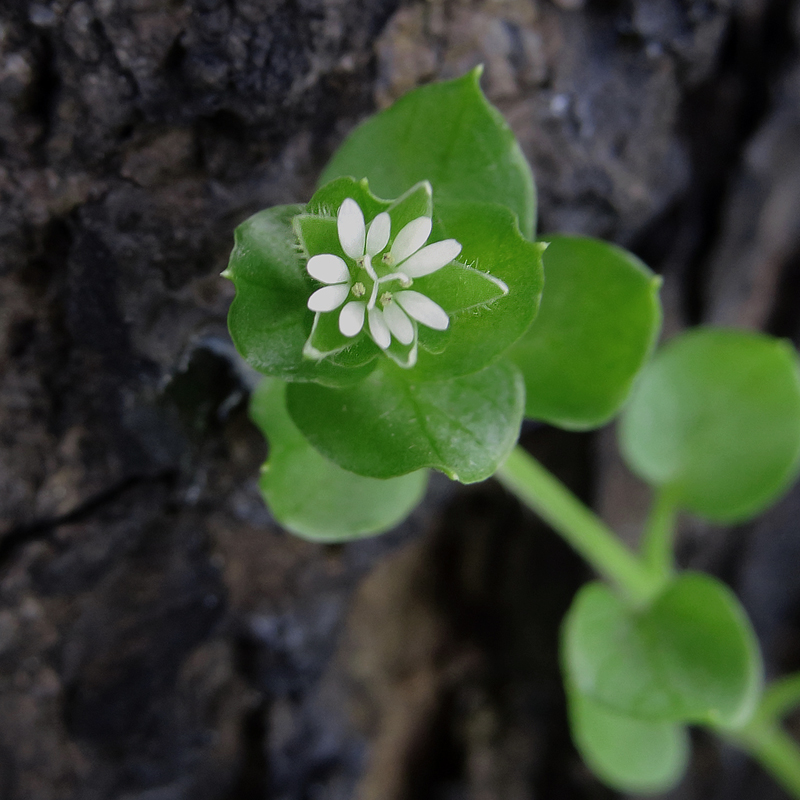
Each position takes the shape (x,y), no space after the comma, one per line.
(656,282)
(226,273)
(476,73)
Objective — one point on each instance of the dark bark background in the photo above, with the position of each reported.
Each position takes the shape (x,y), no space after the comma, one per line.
(160,637)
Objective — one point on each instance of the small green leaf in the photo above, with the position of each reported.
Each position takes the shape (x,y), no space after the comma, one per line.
(597,325)
(690,657)
(628,754)
(269,320)
(704,645)
(416,202)
(313,497)
(386,426)
(491,305)
(715,421)
(608,659)
(448,134)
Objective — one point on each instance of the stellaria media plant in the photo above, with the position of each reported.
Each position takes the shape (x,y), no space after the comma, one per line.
(403,322)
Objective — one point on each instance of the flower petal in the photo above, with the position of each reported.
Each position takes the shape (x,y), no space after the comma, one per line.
(423,310)
(399,324)
(350,224)
(378,329)
(378,233)
(351,318)
(411,238)
(328,297)
(430,258)
(328,268)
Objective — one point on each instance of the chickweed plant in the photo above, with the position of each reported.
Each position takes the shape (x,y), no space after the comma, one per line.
(407,318)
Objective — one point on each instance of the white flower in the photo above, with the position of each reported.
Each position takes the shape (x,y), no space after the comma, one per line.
(389,306)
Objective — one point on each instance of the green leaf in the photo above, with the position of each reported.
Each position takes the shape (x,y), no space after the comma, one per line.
(690,657)
(598,322)
(448,134)
(386,426)
(490,303)
(628,754)
(313,497)
(715,421)
(413,203)
(269,320)
(705,646)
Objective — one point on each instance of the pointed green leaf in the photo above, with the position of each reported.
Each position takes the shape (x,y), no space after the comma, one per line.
(269,320)
(715,421)
(313,497)
(690,657)
(491,304)
(598,322)
(446,133)
(385,426)
(628,754)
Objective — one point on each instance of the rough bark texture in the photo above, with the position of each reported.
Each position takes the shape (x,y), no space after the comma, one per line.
(160,637)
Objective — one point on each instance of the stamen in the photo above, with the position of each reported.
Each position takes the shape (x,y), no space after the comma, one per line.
(385,299)
(359,290)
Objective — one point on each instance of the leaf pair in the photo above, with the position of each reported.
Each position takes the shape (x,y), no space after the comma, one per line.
(640,675)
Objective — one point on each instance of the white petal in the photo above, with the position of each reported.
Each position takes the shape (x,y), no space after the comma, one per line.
(351,318)
(328,297)
(378,233)
(350,224)
(399,324)
(423,310)
(411,238)
(430,258)
(378,328)
(328,268)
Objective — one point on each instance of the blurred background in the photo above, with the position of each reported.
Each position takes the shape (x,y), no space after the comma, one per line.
(160,637)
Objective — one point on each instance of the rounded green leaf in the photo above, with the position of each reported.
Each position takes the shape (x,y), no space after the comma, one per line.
(269,320)
(597,324)
(607,658)
(386,426)
(312,496)
(446,133)
(705,647)
(715,421)
(628,754)
(690,657)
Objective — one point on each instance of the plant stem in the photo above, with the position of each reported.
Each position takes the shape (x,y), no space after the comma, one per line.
(780,698)
(776,751)
(521,474)
(583,530)
(658,537)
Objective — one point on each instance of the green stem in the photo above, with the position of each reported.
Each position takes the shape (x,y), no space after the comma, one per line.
(776,751)
(780,698)
(762,738)
(658,538)
(582,529)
